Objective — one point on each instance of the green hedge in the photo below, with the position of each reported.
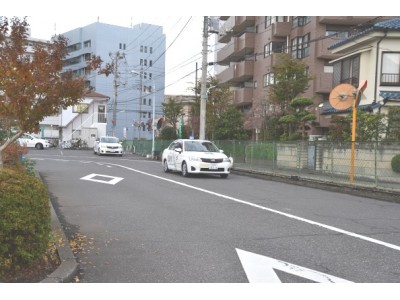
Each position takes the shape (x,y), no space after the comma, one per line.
(263,151)
(396,163)
(25,222)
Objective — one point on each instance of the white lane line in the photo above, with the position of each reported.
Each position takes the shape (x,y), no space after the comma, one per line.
(332,228)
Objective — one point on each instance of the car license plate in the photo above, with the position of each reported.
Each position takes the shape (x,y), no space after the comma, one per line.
(213,167)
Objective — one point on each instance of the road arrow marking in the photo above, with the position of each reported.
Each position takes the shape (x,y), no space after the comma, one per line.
(260,269)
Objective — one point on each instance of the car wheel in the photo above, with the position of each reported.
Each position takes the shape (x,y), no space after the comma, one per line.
(165,166)
(185,172)
(224,175)
(39,146)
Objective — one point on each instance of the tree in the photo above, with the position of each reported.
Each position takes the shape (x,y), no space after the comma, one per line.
(229,125)
(300,116)
(172,112)
(393,124)
(370,127)
(218,100)
(32,87)
(290,80)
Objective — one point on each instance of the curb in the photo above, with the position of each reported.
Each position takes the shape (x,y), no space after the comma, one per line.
(69,266)
(361,191)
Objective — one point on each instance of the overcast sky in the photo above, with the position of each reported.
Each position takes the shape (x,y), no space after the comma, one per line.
(183,32)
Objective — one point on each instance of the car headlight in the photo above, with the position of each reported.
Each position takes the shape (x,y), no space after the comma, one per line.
(194,158)
(226,159)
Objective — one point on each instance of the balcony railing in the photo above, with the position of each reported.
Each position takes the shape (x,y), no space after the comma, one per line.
(390,79)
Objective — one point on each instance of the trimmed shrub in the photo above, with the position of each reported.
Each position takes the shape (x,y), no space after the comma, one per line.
(396,163)
(25,222)
(263,151)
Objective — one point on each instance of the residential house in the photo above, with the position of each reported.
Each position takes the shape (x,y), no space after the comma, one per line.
(86,120)
(372,55)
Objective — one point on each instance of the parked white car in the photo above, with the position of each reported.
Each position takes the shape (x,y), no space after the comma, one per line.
(108,145)
(195,157)
(32,141)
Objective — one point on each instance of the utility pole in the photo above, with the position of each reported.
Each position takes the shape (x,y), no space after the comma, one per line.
(140,102)
(203,92)
(116,84)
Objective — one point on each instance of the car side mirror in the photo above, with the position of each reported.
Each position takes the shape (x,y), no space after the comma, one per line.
(178,150)
(221,151)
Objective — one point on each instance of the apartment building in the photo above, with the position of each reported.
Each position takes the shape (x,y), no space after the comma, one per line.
(251,46)
(136,85)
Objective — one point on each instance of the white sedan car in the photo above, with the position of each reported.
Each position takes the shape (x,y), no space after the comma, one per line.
(108,145)
(32,141)
(195,157)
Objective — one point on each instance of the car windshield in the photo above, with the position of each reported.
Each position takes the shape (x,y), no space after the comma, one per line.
(200,146)
(110,139)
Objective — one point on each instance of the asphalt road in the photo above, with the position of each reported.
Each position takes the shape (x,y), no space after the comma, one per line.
(138,224)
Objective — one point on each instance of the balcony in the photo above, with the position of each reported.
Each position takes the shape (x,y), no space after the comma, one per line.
(281,29)
(237,73)
(243,97)
(321,48)
(346,20)
(323,83)
(237,48)
(235,25)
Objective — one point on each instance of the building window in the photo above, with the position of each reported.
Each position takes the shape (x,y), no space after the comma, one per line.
(87,44)
(74,47)
(151,50)
(347,71)
(150,63)
(87,56)
(336,33)
(301,46)
(269,79)
(390,74)
(150,102)
(300,21)
(273,47)
(271,20)
(145,49)
(82,108)
(141,48)
(150,75)
(145,62)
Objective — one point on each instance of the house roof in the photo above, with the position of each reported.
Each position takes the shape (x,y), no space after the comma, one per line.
(390,95)
(388,25)
(93,94)
(365,107)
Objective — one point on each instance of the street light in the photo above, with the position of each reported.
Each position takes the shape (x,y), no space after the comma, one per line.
(154,109)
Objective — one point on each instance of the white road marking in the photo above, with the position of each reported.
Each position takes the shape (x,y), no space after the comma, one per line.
(260,269)
(332,228)
(328,227)
(114,180)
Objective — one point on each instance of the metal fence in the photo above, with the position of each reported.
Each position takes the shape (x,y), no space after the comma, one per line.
(317,160)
